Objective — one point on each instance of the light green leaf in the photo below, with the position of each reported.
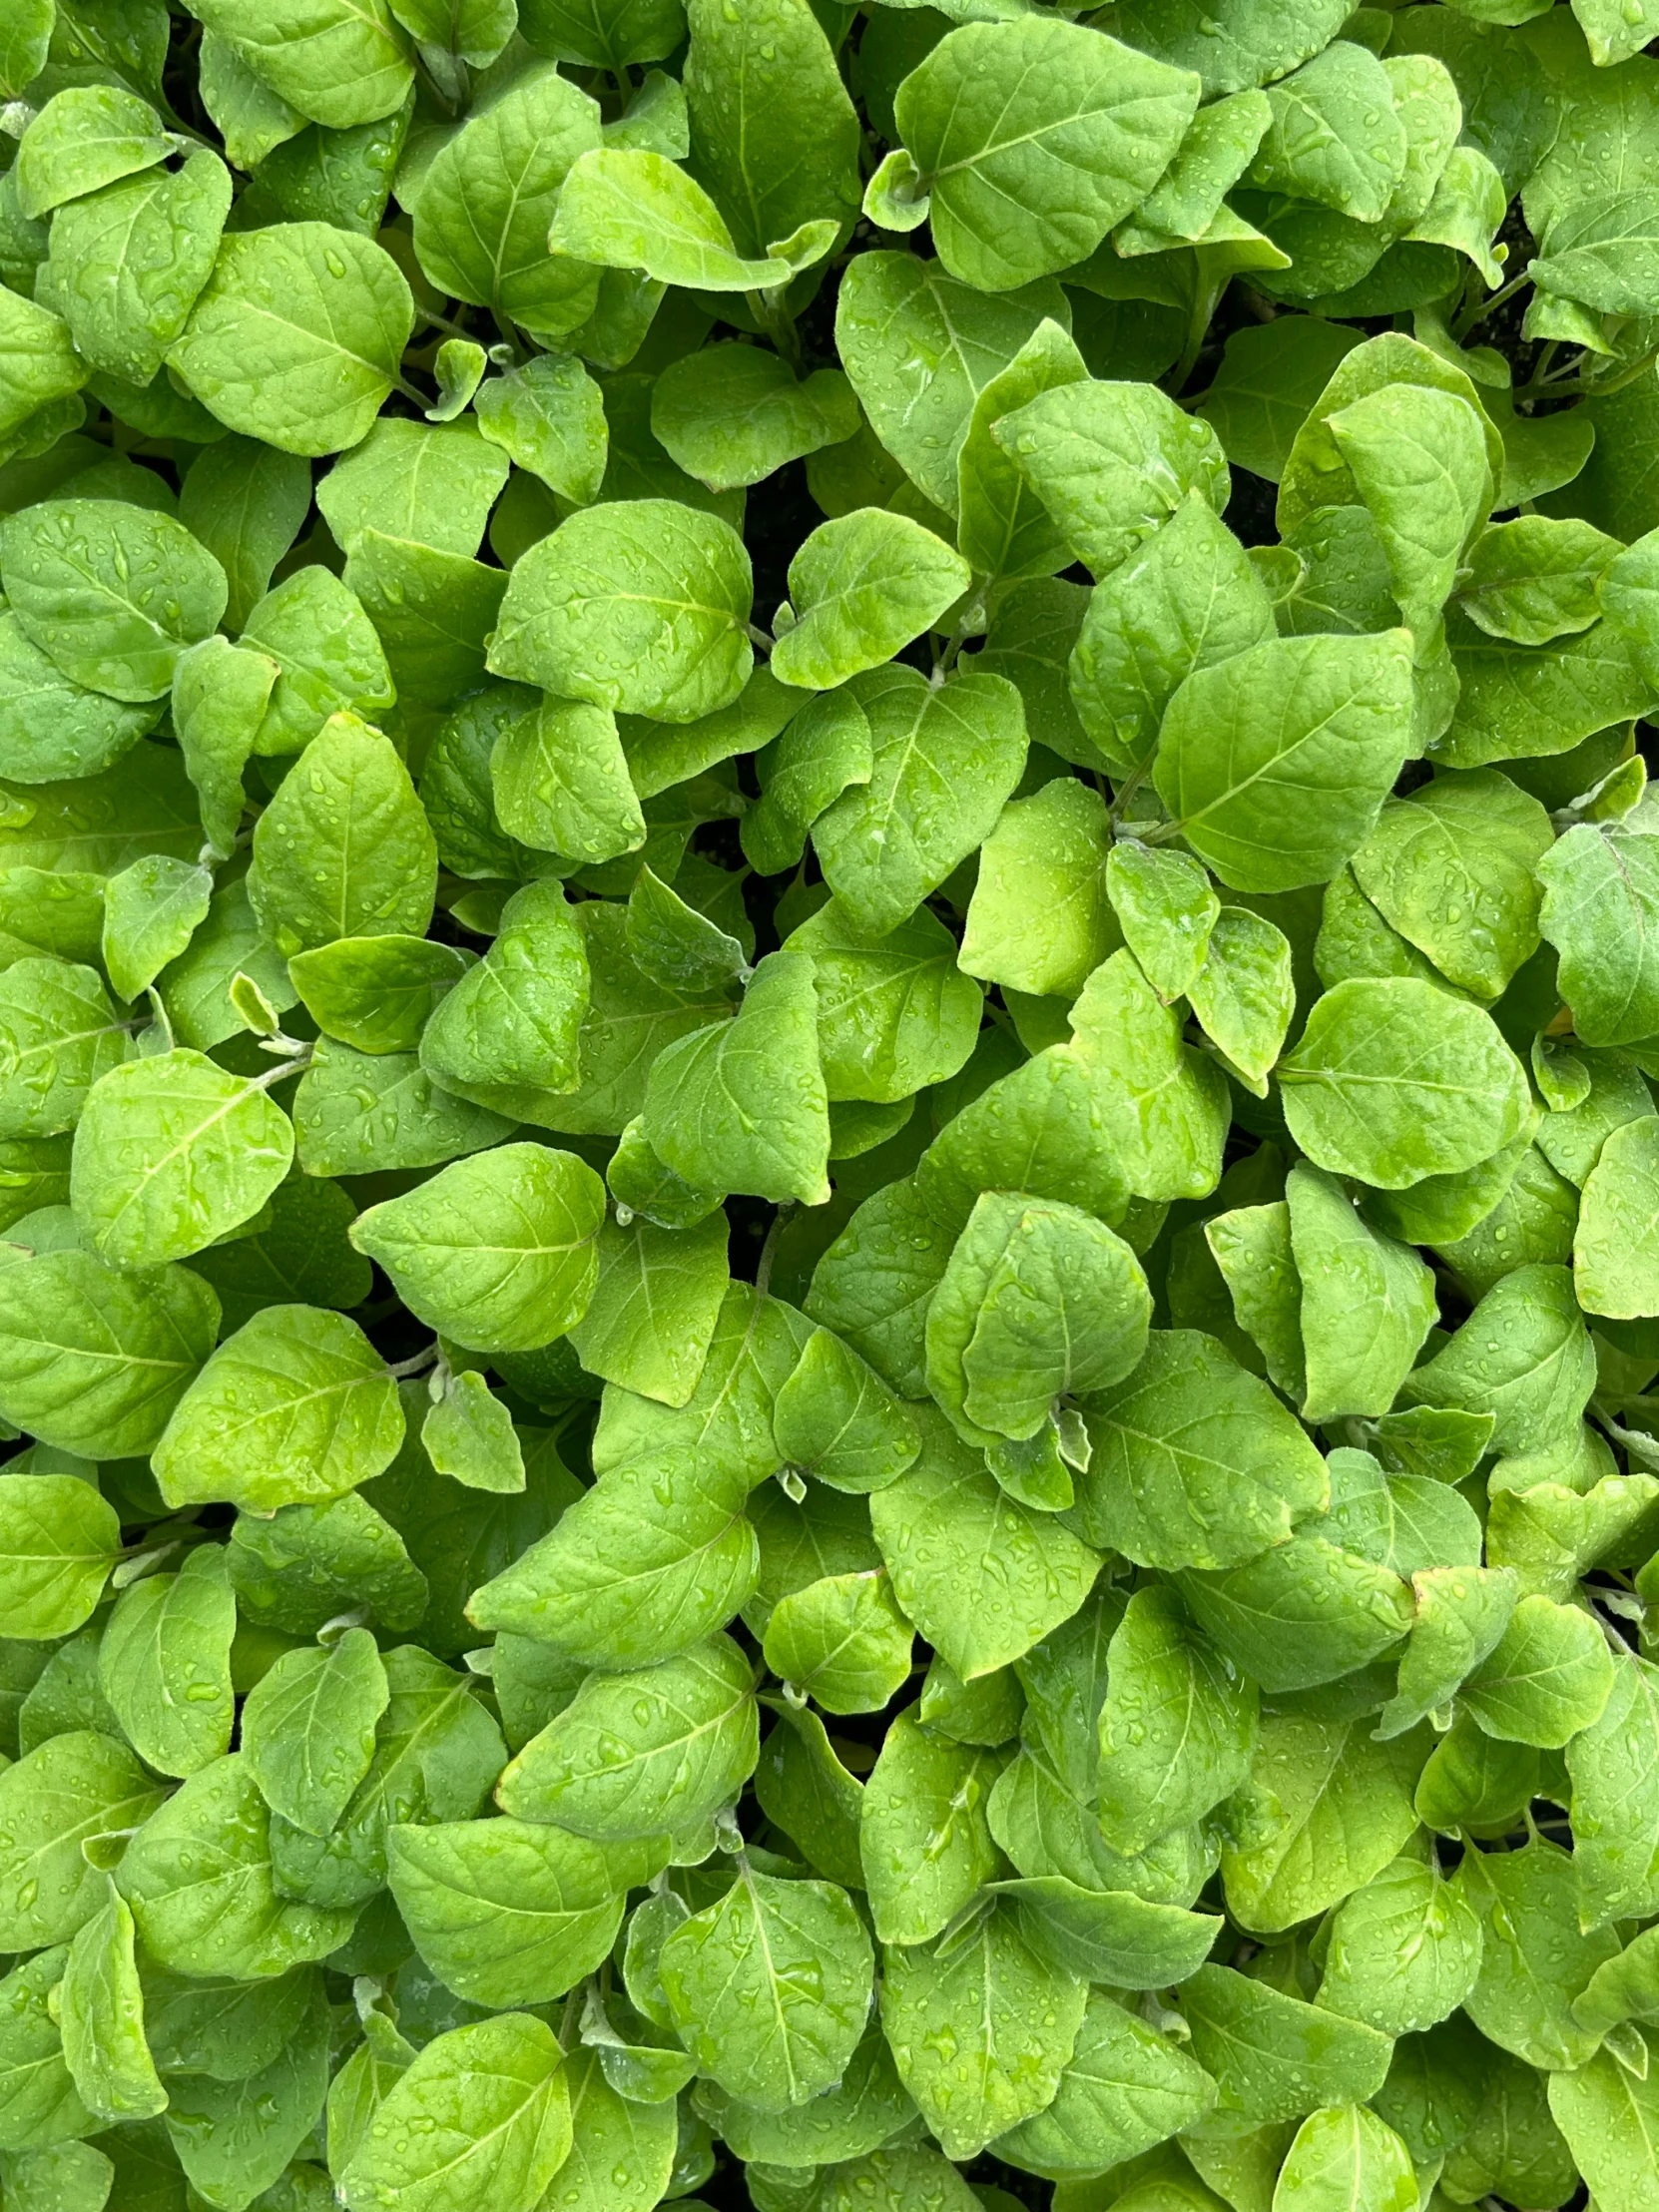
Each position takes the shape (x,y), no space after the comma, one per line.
(561,783)
(112,591)
(128,263)
(509,1912)
(549,417)
(1343,2154)
(481,2116)
(468,1434)
(101,2007)
(639,605)
(1549,1676)
(57,1542)
(1035,141)
(1194,1462)
(1111,463)
(983,1578)
(642,1753)
(638,211)
(1535,1960)
(1187,598)
(1394,1080)
(165,1663)
(1419,457)
(1007,2020)
(308,1728)
(861,588)
(170,1154)
(507,1036)
(731,414)
(842,1640)
(296,336)
(648,1563)
(742,1104)
(376,994)
(771,1987)
(1615,1257)
(294,1408)
(497,1252)
(1368,1302)
(1405,1950)
(93,1359)
(198,1880)
(1178,1729)
(1040,920)
(1039,1301)
(430,484)
(1004,531)
(1271,2056)
(1124,2091)
(1276,762)
(1601,897)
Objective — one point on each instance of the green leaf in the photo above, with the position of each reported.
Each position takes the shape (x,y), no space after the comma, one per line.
(294,1408)
(731,414)
(1273,2056)
(1245,742)
(165,1664)
(1040,920)
(1124,2091)
(100,2006)
(1526,1361)
(432,484)
(481,2115)
(1004,531)
(1405,1950)
(1038,1301)
(94,1360)
(497,1252)
(1194,1462)
(82,139)
(296,336)
(151,912)
(355,1113)
(1549,1676)
(328,656)
(57,1035)
(344,850)
(861,588)
(483,207)
(646,1564)
(776,135)
(842,1640)
(1084,450)
(198,1880)
(112,593)
(638,211)
(1367,1303)
(980,2030)
(57,1542)
(771,1988)
(1342,1808)
(549,417)
(1535,1960)
(742,1104)
(1394,1080)
(920,349)
(641,606)
(1600,894)
(925,1846)
(1614,1253)
(834,1418)
(1178,1730)
(983,1578)
(169,1154)
(642,1753)
(507,1037)
(1345,2154)
(54,726)
(376,994)
(561,783)
(352,66)
(308,1728)
(508,1912)
(1081,138)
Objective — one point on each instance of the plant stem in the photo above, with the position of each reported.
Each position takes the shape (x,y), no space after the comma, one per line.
(1467,322)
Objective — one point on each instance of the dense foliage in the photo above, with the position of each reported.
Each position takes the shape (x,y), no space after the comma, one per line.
(831,1190)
